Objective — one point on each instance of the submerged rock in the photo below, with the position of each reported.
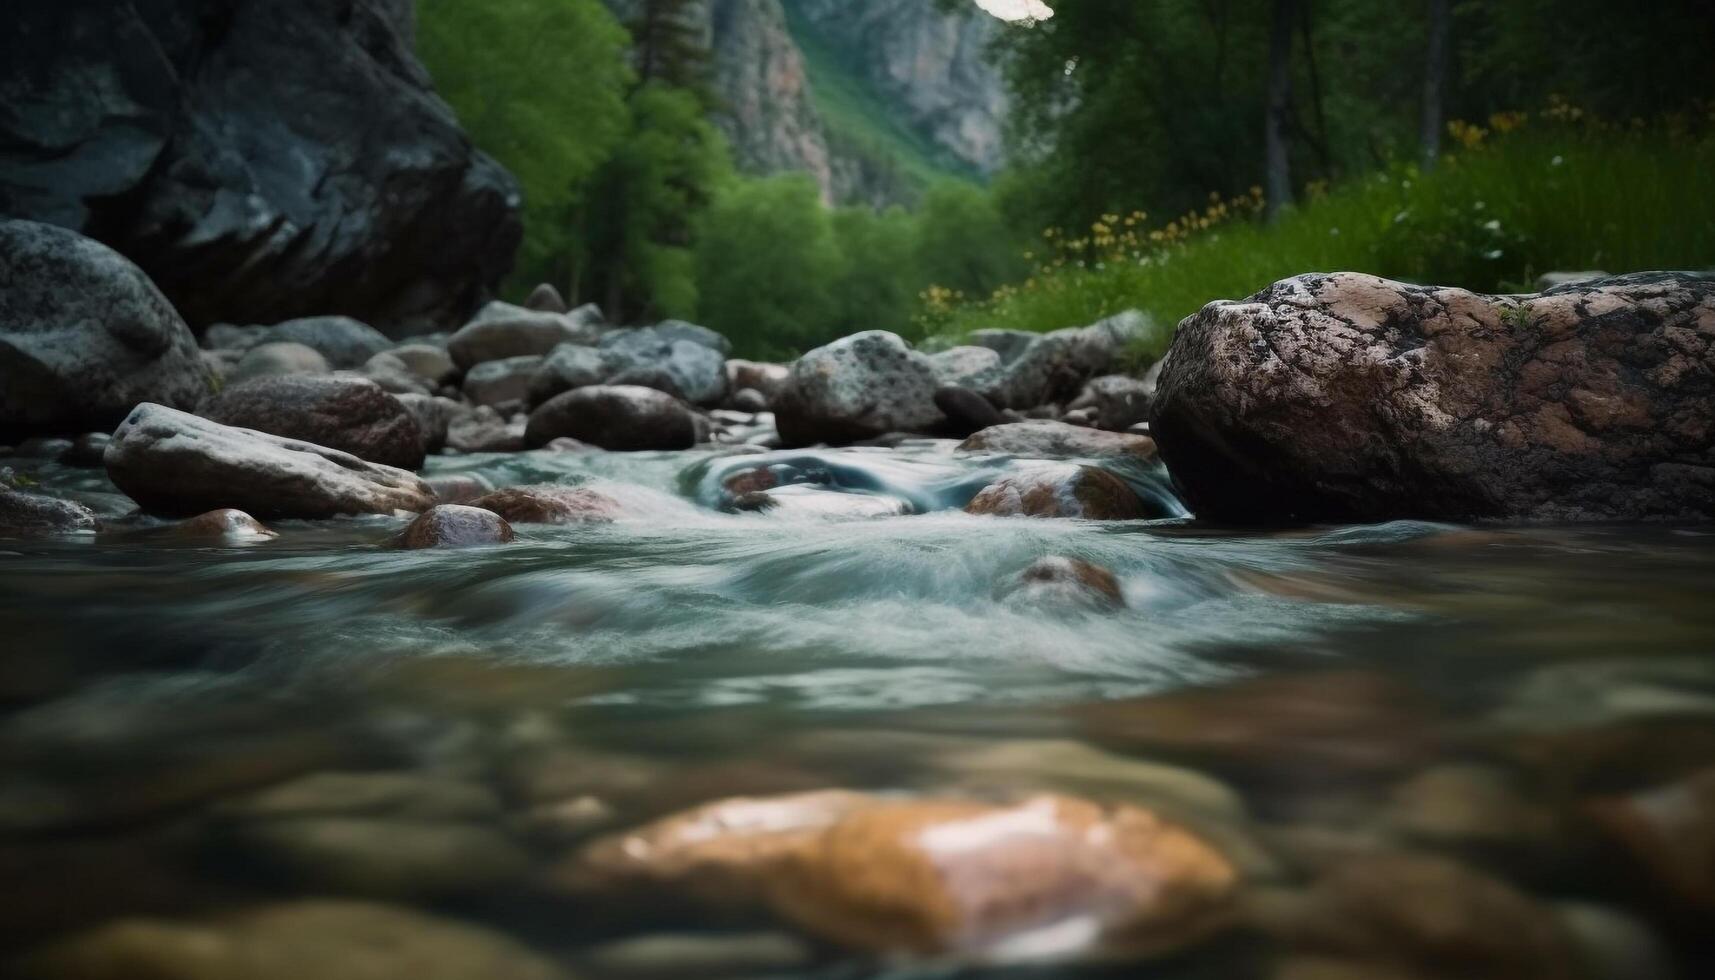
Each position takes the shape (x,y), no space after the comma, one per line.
(501,330)
(222,524)
(455,526)
(617,417)
(547,504)
(173,462)
(260,161)
(1045,439)
(28,515)
(858,387)
(327,939)
(353,415)
(1066,583)
(1345,397)
(1063,490)
(84,335)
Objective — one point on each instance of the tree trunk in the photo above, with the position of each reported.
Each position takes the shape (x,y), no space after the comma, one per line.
(1277,168)
(1435,80)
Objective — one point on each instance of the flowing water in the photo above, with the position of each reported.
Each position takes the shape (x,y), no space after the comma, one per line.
(1488,698)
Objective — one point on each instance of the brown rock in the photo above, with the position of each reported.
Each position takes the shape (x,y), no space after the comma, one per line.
(1058,581)
(547,504)
(1669,832)
(1345,397)
(455,526)
(458,488)
(1064,490)
(1408,910)
(353,415)
(223,523)
(1049,877)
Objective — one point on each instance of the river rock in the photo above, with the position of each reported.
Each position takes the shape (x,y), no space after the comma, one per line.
(1047,439)
(804,501)
(327,939)
(343,341)
(455,526)
(858,387)
(28,515)
(966,411)
(977,368)
(434,414)
(427,361)
(1060,490)
(548,504)
(681,359)
(503,382)
(1047,878)
(501,330)
(223,524)
(1668,832)
(1058,582)
(87,450)
(84,334)
(1117,401)
(376,857)
(484,430)
(1052,367)
(458,488)
(276,358)
(567,367)
(394,377)
(1406,910)
(276,159)
(177,463)
(1344,397)
(761,376)
(349,414)
(618,417)
(546,299)
(227,336)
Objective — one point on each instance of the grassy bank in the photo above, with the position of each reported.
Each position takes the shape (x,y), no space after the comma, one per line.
(1513,202)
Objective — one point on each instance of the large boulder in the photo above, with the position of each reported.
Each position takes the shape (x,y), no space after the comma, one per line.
(84,334)
(174,462)
(260,160)
(618,417)
(858,387)
(682,359)
(1344,397)
(352,415)
(502,330)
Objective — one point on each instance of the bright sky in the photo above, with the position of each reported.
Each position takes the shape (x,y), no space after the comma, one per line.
(1017,9)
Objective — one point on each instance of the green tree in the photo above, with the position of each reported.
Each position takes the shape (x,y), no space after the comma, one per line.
(878,280)
(503,67)
(669,45)
(635,227)
(962,241)
(765,256)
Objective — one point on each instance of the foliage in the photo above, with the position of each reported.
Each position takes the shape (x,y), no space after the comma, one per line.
(489,62)
(1551,194)
(764,256)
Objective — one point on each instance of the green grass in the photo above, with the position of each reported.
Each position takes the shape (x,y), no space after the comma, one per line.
(857,118)
(1489,219)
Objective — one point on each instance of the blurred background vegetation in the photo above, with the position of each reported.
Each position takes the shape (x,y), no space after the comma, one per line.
(1543,135)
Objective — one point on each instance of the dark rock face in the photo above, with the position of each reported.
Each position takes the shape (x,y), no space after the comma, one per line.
(25,515)
(618,417)
(260,160)
(353,415)
(84,335)
(1345,397)
(173,462)
(455,526)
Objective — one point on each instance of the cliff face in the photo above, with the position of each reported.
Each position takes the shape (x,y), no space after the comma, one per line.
(915,93)
(927,64)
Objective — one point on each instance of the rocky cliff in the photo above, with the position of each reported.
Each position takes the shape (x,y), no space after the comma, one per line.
(259,160)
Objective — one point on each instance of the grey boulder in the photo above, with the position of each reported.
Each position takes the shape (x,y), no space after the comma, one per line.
(346,343)
(84,335)
(858,387)
(173,462)
(678,358)
(501,330)
(352,415)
